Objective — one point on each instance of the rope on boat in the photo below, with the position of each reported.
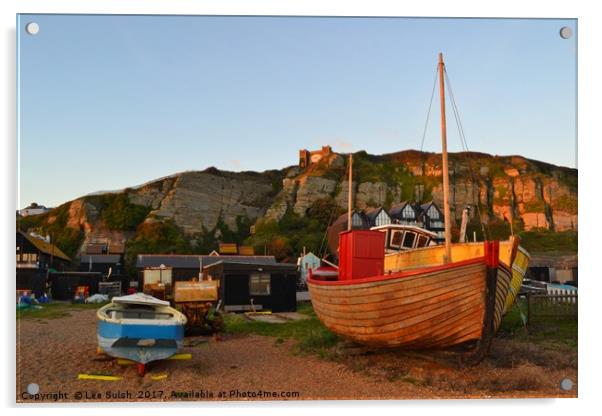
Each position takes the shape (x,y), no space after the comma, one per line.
(464,143)
(322,251)
(428,114)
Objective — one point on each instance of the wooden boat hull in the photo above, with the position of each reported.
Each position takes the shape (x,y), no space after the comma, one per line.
(502,291)
(519,268)
(518,258)
(436,307)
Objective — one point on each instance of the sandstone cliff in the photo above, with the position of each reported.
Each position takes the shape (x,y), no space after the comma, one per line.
(209,203)
(537,194)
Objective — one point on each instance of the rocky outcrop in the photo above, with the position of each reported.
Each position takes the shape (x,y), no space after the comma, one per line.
(153,194)
(81,215)
(534,193)
(285,199)
(375,194)
(197,200)
(342,196)
(504,188)
(310,189)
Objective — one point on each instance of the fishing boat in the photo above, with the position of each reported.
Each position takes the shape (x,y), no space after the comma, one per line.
(512,256)
(417,297)
(140,328)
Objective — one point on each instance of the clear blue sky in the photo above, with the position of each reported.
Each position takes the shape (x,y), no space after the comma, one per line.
(107,102)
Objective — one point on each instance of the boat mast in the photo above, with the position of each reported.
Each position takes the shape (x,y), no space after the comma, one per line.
(445,168)
(349,197)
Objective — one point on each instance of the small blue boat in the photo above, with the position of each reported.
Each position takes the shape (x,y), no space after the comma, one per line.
(140,328)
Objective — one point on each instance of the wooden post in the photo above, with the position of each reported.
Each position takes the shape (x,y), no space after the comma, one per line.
(445,167)
(349,197)
(464,224)
(528,309)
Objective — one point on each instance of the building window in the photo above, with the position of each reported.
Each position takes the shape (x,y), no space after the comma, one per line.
(436,224)
(356,221)
(259,284)
(18,258)
(433,213)
(383,219)
(408,212)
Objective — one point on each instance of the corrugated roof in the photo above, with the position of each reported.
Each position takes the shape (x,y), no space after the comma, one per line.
(556,261)
(192,261)
(242,264)
(45,247)
(100,258)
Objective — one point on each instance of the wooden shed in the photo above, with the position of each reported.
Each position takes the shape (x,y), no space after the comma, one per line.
(246,286)
(35,257)
(187,266)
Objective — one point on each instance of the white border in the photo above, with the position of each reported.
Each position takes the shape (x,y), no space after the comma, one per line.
(589,155)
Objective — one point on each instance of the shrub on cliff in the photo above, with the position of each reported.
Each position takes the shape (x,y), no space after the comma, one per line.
(119,213)
(155,237)
(54,224)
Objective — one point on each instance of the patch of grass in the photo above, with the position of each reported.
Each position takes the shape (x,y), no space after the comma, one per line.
(54,310)
(514,321)
(544,241)
(305,308)
(543,331)
(310,334)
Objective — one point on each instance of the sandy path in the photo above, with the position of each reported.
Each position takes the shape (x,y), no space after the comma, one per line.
(53,352)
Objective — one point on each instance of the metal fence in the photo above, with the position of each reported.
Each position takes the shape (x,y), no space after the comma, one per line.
(557,305)
(110,288)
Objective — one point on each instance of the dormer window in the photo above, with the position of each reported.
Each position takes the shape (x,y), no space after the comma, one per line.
(433,213)
(356,221)
(382,219)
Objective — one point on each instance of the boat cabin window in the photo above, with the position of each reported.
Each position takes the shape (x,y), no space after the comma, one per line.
(408,240)
(396,238)
(259,284)
(422,241)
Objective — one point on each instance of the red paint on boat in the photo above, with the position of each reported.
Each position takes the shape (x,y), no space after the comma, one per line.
(361,254)
(408,273)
